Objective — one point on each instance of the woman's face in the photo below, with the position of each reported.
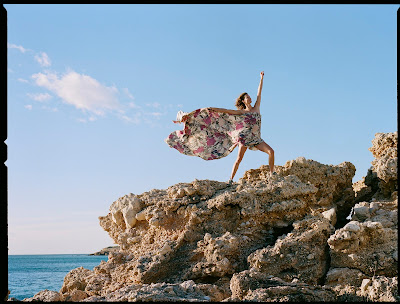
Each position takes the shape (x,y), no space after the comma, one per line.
(247,100)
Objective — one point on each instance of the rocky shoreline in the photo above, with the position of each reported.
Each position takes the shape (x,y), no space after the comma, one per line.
(107,250)
(306,234)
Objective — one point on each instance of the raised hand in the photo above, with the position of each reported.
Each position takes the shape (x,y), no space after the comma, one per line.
(262,74)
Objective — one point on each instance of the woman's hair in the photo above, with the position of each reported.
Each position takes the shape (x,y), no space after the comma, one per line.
(239,101)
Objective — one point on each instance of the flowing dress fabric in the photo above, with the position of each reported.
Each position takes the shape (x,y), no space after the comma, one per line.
(212,135)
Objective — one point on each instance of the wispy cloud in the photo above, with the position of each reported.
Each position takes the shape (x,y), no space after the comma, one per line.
(18,47)
(40,96)
(50,109)
(135,118)
(23,80)
(133,105)
(156,114)
(154,105)
(43,59)
(127,93)
(29,107)
(81,91)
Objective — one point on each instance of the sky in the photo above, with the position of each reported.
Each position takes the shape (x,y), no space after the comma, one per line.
(93,89)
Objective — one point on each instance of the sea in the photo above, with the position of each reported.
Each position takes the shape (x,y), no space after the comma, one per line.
(29,274)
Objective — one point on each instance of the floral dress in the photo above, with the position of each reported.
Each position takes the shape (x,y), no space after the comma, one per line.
(212,135)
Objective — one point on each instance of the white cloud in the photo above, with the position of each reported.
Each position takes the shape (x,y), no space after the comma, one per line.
(154,105)
(81,91)
(18,47)
(29,107)
(133,105)
(136,118)
(156,114)
(50,109)
(22,80)
(43,59)
(40,96)
(126,91)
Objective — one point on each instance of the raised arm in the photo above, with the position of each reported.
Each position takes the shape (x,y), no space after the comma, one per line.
(258,101)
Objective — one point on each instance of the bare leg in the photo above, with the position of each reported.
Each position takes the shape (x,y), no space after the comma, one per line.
(267,149)
(242,150)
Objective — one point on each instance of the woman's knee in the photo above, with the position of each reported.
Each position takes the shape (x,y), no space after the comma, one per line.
(271,152)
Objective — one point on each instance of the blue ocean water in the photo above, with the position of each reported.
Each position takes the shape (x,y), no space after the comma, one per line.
(29,274)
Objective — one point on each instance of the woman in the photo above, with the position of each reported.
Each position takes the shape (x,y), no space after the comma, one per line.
(212,133)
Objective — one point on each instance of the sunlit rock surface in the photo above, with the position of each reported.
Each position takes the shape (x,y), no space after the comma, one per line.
(305,234)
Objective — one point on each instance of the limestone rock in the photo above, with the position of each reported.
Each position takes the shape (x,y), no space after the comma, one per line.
(366,246)
(344,276)
(384,149)
(45,296)
(284,237)
(237,222)
(300,255)
(333,183)
(76,279)
(75,296)
(251,285)
(187,291)
(380,289)
(124,210)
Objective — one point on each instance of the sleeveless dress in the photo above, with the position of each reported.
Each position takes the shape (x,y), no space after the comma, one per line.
(212,135)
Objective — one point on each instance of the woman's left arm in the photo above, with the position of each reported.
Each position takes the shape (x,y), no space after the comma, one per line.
(258,101)
(220,110)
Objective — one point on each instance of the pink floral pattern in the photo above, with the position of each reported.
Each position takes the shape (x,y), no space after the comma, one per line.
(212,135)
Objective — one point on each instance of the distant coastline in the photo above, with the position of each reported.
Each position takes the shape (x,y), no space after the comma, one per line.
(107,250)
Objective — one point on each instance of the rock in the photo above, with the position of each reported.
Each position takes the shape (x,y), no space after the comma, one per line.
(384,149)
(366,246)
(380,289)
(283,237)
(344,276)
(333,183)
(301,255)
(76,279)
(75,296)
(45,296)
(186,291)
(124,210)
(107,250)
(251,285)
(330,215)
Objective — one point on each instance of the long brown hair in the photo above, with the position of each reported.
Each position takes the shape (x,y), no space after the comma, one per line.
(239,101)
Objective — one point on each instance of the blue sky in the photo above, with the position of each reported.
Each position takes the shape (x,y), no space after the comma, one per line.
(93,90)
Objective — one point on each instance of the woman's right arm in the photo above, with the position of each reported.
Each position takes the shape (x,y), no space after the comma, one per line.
(220,110)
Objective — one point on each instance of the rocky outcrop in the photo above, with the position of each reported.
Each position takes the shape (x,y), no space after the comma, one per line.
(284,237)
(364,252)
(107,250)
